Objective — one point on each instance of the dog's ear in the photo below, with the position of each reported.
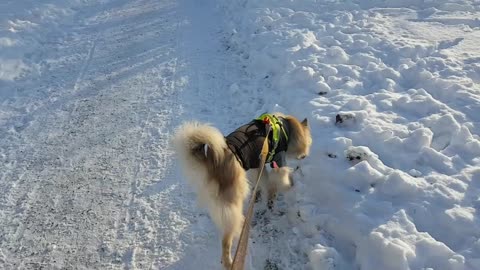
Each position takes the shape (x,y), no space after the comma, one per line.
(305,122)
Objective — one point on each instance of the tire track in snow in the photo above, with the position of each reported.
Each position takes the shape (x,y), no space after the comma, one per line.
(131,209)
(31,208)
(79,79)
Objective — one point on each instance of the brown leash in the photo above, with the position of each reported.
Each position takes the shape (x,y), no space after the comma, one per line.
(241,253)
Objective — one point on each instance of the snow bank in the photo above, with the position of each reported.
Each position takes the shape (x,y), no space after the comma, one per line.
(392,182)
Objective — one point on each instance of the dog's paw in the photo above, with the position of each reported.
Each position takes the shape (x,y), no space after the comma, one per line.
(358,153)
(227,263)
(344,119)
(280,178)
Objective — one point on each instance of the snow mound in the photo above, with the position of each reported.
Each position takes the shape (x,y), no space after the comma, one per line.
(390,183)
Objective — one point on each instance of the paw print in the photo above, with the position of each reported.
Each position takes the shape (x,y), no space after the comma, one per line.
(357,153)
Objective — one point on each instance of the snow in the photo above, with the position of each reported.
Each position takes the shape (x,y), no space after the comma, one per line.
(91,92)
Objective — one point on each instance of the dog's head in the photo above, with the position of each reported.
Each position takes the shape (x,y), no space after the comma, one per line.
(300,139)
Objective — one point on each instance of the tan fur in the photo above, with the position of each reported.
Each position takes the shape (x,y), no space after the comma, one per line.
(220,180)
(300,138)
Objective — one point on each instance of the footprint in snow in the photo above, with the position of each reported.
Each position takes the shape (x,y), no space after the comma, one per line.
(344,119)
(357,154)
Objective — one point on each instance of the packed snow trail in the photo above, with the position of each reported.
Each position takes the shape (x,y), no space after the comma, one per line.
(87,178)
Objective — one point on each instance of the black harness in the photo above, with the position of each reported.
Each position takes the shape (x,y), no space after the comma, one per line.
(246,143)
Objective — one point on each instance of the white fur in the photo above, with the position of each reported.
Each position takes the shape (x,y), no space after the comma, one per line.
(205,150)
(280,178)
(185,134)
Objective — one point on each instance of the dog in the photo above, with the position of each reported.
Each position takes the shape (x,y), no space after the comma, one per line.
(216,167)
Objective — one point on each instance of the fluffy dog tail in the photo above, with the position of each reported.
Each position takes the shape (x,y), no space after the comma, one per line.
(199,143)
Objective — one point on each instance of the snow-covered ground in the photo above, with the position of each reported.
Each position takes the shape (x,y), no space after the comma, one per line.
(91,91)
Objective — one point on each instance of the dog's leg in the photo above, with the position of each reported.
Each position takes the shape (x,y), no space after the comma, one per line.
(278,181)
(226,250)
(262,192)
(231,231)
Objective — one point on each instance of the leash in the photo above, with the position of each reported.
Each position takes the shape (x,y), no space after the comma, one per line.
(241,252)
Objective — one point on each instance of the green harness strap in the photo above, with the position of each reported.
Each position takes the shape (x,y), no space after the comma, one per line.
(276,126)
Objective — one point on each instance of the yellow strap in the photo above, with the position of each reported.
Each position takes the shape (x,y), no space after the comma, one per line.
(276,126)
